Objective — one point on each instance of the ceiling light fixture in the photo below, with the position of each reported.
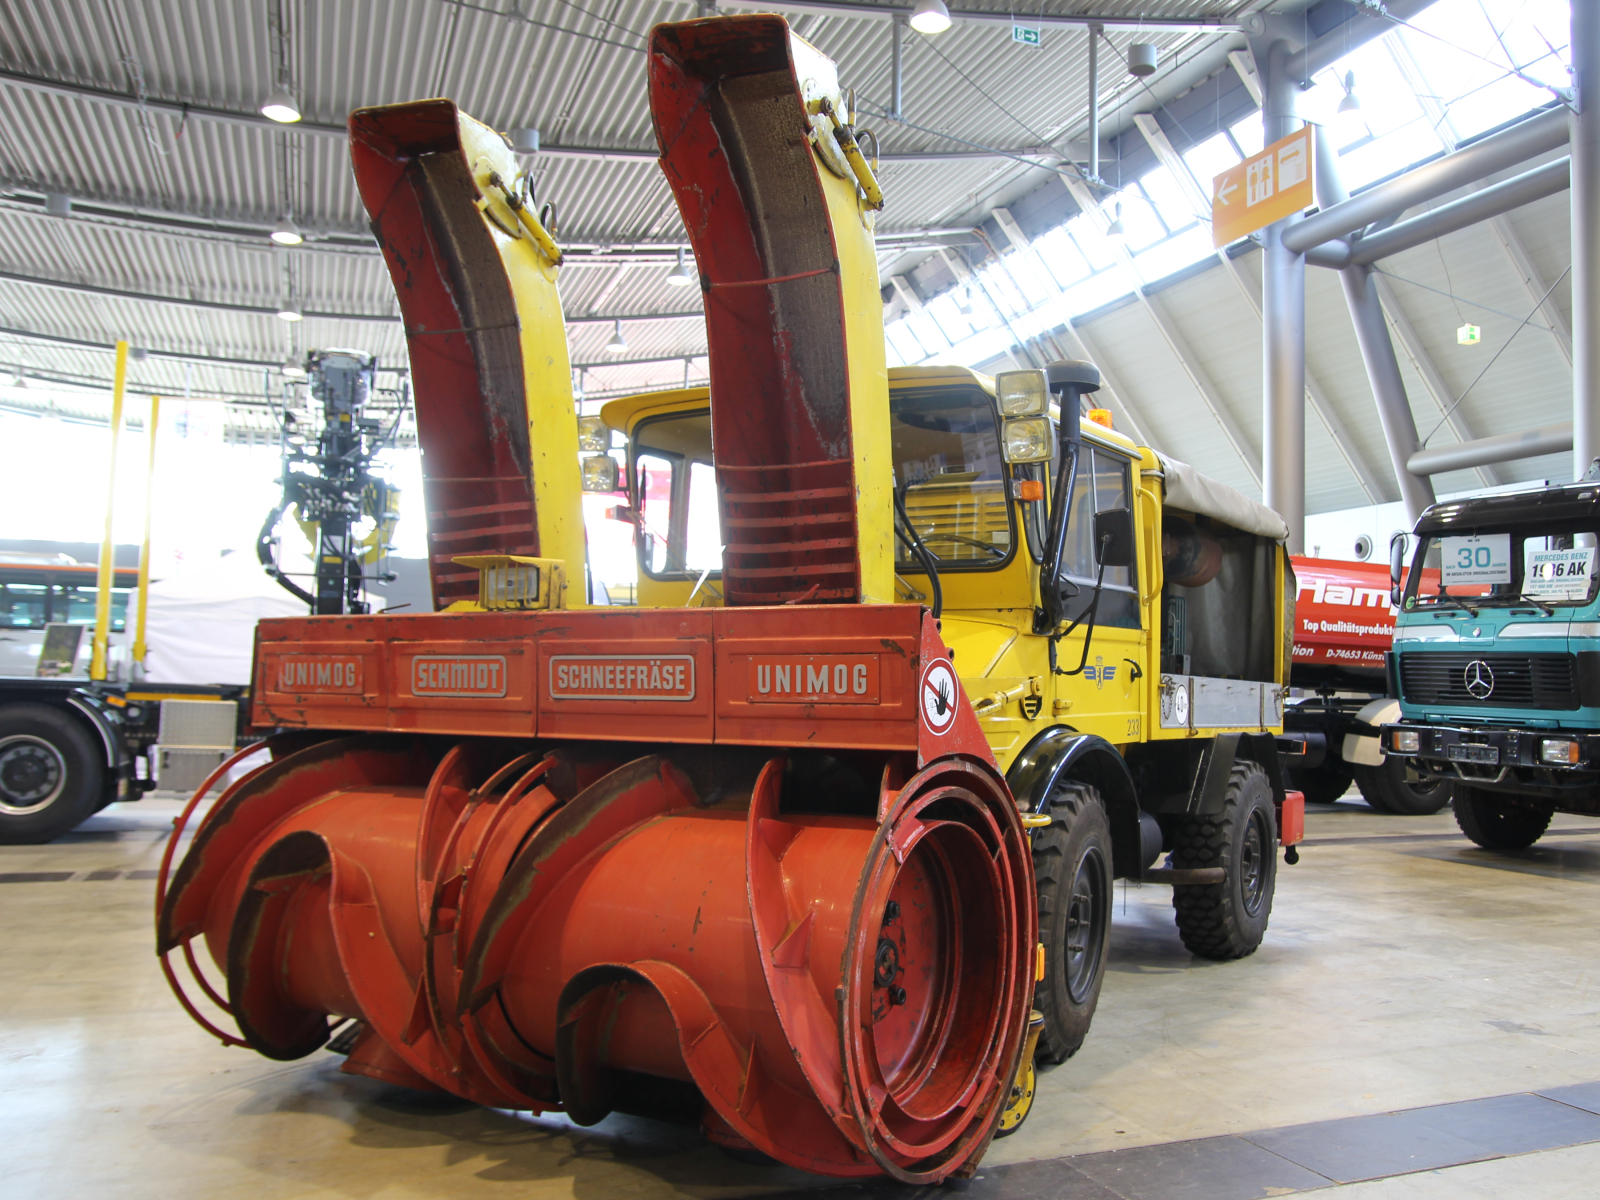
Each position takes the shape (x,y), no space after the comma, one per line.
(618,343)
(930,16)
(1143,59)
(1350,103)
(1115,229)
(288,313)
(287,233)
(281,107)
(679,276)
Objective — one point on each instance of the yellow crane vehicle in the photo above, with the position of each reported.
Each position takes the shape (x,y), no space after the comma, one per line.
(1120,623)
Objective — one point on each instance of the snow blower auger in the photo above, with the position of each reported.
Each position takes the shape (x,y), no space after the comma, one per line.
(755,860)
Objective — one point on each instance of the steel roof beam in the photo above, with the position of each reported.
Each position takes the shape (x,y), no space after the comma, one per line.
(1199,23)
(309,314)
(1536,135)
(1504,447)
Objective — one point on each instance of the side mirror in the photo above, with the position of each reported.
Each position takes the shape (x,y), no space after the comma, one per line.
(1397,566)
(1113,538)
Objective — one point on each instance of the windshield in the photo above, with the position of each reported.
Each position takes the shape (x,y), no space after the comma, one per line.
(948,474)
(1504,567)
(950,477)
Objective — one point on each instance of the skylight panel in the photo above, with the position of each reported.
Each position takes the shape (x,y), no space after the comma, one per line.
(903,348)
(1029,276)
(1211,158)
(1174,254)
(1061,257)
(1171,201)
(953,323)
(1088,233)
(1248,134)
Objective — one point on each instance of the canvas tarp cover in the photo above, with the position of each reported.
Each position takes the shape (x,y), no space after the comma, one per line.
(1188,489)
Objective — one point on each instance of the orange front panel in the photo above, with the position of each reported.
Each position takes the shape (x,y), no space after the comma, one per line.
(644,675)
(324,682)
(815,675)
(482,686)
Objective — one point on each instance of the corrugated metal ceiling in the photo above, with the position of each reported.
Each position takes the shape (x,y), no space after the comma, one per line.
(575,72)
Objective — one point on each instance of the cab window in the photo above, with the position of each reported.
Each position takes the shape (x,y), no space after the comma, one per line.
(675,490)
(1104,482)
(950,477)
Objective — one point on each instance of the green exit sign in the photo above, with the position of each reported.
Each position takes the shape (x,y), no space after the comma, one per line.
(1025,35)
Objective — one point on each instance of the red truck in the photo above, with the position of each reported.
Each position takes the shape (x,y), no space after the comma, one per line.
(1344,624)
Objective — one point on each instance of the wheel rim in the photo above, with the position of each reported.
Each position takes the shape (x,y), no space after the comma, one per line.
(32,774)
(1084,940)
(1253,862)
(1423,785)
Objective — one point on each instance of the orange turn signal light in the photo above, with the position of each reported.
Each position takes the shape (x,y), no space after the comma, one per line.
(1100,416)
(1030,489)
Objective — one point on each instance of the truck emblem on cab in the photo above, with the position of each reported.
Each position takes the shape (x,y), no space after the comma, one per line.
(1478,679)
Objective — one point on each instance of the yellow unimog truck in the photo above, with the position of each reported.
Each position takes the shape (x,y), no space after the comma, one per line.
(1121,624)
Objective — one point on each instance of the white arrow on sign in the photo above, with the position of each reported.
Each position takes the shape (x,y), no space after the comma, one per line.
(1227,189)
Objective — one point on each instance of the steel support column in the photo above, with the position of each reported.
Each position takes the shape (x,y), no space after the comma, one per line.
(1283,274)
(897,68)
(1585,137)
(1094,101)
(1377,351)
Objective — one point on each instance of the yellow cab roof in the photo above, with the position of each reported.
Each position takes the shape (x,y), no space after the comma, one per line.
(624,413)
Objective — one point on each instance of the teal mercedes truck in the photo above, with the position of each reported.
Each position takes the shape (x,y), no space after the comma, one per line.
(1496,658)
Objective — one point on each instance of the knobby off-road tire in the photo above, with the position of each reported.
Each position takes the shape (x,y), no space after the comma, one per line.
(1072,864)
(1322,785)
(1228,919)
(1497,824)
(1395,787)
(51,774)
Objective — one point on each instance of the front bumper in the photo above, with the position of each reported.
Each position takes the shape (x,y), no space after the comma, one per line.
(1500,759)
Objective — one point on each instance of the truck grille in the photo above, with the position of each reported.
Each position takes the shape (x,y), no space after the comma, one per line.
(1519,680)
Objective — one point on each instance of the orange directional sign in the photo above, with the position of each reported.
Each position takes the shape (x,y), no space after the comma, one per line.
(1264,188)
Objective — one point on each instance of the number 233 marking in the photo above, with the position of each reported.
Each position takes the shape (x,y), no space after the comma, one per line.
(1133,727)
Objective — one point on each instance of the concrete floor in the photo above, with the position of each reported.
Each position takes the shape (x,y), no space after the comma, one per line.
(1403,967)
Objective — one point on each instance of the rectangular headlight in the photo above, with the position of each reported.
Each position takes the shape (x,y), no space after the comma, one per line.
(1029,439)
(593,435)
(1407,741)
(1558,750)
(600,473)
(1022,393)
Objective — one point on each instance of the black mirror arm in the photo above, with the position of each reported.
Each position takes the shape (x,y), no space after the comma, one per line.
(1056,537)
(1089,614)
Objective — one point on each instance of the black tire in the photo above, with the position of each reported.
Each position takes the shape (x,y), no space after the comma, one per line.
(51,774)
(1228,919)
(1397,787)
(1072,865)
(1324,784)
(1499,822)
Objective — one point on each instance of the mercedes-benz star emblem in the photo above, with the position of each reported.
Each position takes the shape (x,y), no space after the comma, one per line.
(1479,679)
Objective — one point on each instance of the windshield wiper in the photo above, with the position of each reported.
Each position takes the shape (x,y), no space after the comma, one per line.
(1539,604)
(1458,602)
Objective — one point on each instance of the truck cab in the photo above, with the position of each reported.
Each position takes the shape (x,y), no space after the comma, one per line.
(1120,624)
(1496,658)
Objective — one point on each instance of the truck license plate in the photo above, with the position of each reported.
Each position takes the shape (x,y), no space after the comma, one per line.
(1474,754)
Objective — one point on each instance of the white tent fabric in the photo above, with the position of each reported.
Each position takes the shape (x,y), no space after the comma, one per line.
(202,622)
(1188,489)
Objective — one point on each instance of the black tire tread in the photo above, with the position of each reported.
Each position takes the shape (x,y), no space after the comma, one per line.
(1495,825)
(1207,923)
(1386,790)
(1068,804)
(85,767)
(1322,785)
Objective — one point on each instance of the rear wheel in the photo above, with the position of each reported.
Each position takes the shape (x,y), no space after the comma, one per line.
(1229,919)
(1499,822)
(1322,785)
(50,774)
(1395,786)
(1072,864)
